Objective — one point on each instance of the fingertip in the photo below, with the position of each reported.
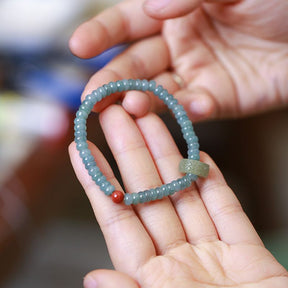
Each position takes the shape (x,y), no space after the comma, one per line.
(71,146)
(76,44)
(136,103)
(201,107)
(83,42)
(90,282)
(108,279)
(73,44)
(71,151)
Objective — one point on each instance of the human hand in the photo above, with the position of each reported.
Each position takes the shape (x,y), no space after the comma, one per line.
(232,55)
(199,237)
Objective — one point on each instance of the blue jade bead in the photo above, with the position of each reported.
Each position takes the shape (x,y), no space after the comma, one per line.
(80,134)
(108,89)
(120,86)
(158,90)
(82,114)
(171,103)
(151,85)
(86,105)
(109,190)
(113,87)
(163,94)
(145,85)
(128,198)
(81,145)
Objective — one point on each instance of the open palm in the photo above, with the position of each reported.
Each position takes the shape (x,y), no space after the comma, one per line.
(199,237)
(232,57)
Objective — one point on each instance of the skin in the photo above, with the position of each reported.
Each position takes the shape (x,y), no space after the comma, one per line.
(199,237)
(232,55)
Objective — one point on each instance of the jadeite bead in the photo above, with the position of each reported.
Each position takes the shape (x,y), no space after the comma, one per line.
(138,84)
(100,179)
(89,165)
(153,194)
(147,195)
(159,193)
(113,87)
(82,114)
(94,170)
(120,86)
(142,198)
(171,103)
(163,94)
(193,145)
(80,134)
(168,98)
(86,105)
(80,127)
(135,198)
(176,186)
(128,198)
(107,89)
(81,145)
(109,190)
(193,166)
(193,154)
(125,85)
(79,121)
(102,92)
(87,159)
(151,85)
(158,90)
(145,85)
(97,96)
(84,152)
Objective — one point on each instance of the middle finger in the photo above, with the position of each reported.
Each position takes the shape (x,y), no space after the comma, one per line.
(139,173)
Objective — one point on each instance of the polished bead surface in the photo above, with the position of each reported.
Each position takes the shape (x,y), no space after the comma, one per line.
(109,190)
(117,196)
(128,199)
(194,167)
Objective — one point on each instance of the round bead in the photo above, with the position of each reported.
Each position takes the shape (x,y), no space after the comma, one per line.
(117,196)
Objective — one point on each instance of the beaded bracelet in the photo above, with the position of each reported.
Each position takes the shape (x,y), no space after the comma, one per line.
(191,166)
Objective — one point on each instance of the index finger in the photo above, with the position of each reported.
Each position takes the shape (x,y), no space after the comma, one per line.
(122,229)
(123,22)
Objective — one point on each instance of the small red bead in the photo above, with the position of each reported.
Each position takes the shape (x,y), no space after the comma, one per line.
(117,196)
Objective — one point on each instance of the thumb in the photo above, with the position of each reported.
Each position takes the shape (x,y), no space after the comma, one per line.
(165,9)
(108,279)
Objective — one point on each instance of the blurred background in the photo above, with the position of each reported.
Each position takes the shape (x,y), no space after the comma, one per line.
(48,235)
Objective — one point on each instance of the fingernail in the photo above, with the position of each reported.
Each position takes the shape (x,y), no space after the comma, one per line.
(90,282)
(156,4)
